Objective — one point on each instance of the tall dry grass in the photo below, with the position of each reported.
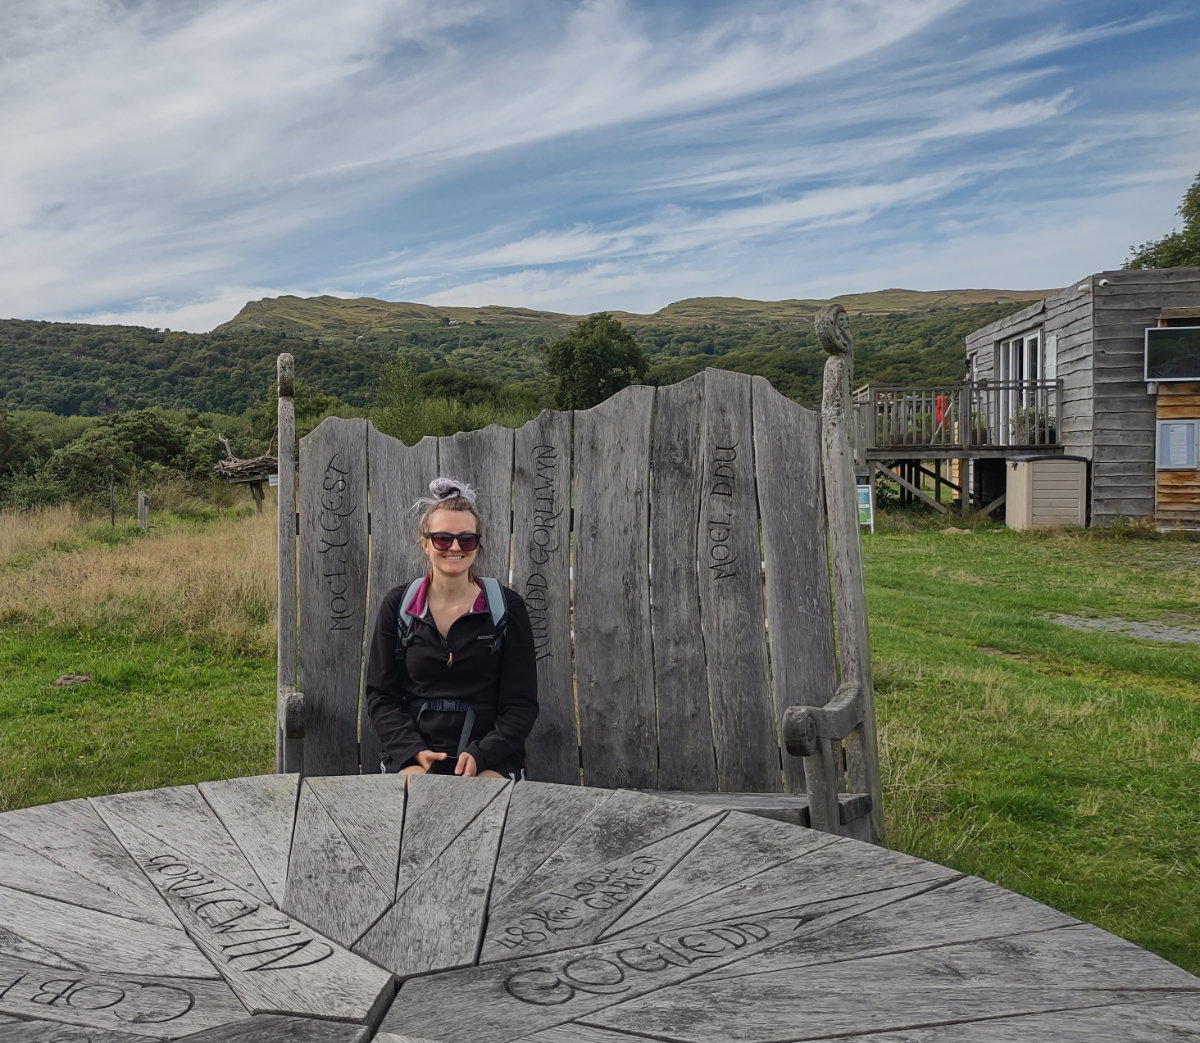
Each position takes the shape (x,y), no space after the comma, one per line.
(213,583)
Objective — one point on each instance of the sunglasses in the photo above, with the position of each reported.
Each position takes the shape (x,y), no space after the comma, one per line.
(467,541)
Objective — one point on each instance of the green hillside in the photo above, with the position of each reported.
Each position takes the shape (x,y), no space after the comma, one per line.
(342,346)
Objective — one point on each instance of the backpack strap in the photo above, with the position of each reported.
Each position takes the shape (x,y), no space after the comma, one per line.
(498,607)
(404,621)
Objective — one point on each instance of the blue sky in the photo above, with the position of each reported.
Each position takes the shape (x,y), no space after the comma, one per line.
(165,162)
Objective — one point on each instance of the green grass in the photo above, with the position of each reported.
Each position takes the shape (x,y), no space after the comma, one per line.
(1059,763)
(1062,764)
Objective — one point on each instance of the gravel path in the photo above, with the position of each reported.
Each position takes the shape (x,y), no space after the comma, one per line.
(1149,631)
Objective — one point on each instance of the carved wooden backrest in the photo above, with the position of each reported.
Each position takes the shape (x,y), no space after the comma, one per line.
(670,544)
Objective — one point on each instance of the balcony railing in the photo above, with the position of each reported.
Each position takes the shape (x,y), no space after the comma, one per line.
(968,415)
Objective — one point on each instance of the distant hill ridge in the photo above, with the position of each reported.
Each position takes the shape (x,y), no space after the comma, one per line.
(363,316)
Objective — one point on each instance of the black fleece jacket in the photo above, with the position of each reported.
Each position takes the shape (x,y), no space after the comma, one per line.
(501,687)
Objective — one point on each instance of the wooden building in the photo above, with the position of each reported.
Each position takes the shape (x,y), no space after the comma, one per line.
(1140,435)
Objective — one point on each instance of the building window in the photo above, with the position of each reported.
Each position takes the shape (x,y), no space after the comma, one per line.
(1177,445)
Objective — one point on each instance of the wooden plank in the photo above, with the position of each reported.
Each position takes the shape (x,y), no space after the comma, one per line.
(99,941)
(72,835)
(26,870)
(965,910)
(324,863)
(273,963)
(614,667)
(275,1028)
(289,752)
(333,587)
(399,474)
(369,813)
(180,817)
(539,817)
(12,1031)
(578,910)
(484,460)
(783,807)
(1042,972)
(620,826)
(795,556)
(138,1004)
(745,733)
(838,871)
(740,847)
(1172,1019)
(686,757)
(505,1001)
(438,922)
(439,808)
(258,812)
(542,576)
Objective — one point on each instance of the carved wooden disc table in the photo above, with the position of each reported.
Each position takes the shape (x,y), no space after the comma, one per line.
(267,909)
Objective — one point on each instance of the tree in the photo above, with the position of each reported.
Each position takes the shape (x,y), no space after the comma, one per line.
(1178,249)
(595,360)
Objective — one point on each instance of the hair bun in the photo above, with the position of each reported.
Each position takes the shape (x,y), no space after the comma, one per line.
(443,489)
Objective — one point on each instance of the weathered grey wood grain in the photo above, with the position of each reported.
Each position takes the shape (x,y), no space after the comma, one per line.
(289,752)
(1175,1018)
(144,1006)
(71,834)
(745,734)
(13,1031)
(369,813)
(964,910)
(1047,971)
(258,812)
(505,1001)
(391,1037)
(181,818)
(541,568)
(791,808)
(399,474)
(324,863)
(26,870)
(333,587)
(539,817)
(679,475)
(272,962)
(438,922)
(622,825)
(787,460)
(439,808)
(614,667)
(484,459)
(100,941)
(741,846)
(582,1034)
(20,947)
(841,506)
(845,869)
(577,911)
(275,1028)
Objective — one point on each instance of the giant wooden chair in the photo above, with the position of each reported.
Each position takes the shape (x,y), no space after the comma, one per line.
(673,546)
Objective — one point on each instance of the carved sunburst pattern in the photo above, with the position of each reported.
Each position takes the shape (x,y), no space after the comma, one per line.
(355,908)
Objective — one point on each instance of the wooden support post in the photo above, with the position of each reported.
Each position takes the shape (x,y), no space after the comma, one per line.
(143,509)
(854,643)
(289,750)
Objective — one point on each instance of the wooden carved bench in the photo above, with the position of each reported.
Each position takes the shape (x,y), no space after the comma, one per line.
(674,547)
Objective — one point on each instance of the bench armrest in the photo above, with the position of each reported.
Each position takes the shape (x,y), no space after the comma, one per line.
(289,711)
(805,726)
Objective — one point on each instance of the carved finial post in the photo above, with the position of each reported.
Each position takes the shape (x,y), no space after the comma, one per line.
(841,504)
(288,750)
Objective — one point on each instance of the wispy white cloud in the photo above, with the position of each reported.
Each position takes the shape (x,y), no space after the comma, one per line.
(160,159)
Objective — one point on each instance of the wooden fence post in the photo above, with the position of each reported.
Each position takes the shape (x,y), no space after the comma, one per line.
(289,750)
(143,509)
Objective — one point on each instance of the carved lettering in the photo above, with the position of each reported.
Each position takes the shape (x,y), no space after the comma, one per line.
(336,508)
(719,526)
(545,540)
(92,998)
(618,971)
(251,937)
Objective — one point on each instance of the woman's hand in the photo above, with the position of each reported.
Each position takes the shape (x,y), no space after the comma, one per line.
(425,760)
(466,764)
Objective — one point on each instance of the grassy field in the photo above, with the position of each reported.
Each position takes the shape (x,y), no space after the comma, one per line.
(1058,762)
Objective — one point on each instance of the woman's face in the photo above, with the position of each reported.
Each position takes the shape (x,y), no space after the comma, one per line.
(455,561)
